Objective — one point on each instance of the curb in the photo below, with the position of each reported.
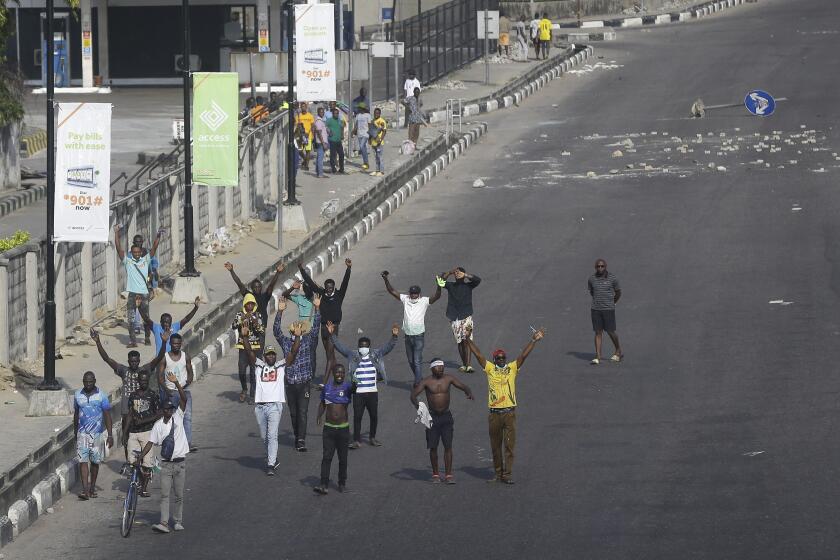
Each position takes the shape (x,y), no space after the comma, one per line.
(697,11)
(224,344)
(513,95)
(23,513)
(33,143)
(15,201)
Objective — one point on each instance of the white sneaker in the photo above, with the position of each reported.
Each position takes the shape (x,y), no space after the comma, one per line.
(160,528)
(178,527)
(595,361)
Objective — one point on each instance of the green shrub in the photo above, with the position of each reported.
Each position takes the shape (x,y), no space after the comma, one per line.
(19,238)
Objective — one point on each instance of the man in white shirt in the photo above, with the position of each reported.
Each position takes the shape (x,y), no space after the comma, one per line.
(414,324)
(408,87)
(168,432)
(270,391)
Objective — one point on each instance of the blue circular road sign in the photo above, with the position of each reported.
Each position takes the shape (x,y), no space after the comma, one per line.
(760,103)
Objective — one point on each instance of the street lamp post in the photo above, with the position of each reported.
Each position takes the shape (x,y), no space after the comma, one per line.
(291,199)
(50,383)
(189,240)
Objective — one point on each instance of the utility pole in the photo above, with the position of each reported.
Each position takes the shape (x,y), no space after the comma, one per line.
(49,383)
(291,200)
(189,237)
(486,43)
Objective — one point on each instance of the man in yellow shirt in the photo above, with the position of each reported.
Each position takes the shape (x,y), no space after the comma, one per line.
(304,119)
(501,398)
(376,132)
(545,35)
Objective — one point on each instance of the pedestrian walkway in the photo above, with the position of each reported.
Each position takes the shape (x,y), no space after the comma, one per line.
(251,256)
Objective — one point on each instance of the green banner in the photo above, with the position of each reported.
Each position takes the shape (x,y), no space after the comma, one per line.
(215,135)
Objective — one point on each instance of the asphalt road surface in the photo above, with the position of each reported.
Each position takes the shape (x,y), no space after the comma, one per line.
(716,436)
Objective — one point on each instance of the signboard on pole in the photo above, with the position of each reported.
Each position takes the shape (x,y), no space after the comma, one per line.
(760,103)
(315,52)
(82,172)
(492,24)
(386,49)
(215,135)
(262,38)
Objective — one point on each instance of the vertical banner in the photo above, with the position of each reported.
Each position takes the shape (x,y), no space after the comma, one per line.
(82,172)
(315,52)
(262,36)
(215,136)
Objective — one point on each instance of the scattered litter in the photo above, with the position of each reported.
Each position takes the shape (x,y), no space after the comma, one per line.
(779,302)
(618,153)
(478,183)
(721,168)
(589,68)
(613,171)
(447,84)
(543,135)
(330,208)
(752,453)
(820,170)
(591,174)
(565,153)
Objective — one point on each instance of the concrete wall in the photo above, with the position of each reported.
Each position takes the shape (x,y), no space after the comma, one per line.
(88,277)
(10,156)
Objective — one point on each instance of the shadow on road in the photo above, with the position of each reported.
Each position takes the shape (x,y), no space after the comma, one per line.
(485,473)
(412,474)
(585,356)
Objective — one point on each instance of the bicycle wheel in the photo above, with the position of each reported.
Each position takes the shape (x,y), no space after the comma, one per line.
(129,507)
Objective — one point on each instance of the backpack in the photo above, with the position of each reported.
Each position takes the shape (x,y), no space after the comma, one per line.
(167,446)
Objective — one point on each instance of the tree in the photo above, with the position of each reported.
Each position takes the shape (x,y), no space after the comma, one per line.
(11,86)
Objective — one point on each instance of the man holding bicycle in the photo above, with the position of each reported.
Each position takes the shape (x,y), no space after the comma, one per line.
(144,412)
(168,432)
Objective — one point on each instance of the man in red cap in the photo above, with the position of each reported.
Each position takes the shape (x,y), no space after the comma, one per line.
(501,381)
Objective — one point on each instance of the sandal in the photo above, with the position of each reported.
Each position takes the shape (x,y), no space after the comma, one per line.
(83,496)
(470,369)
(145,494)
(435,478)
(94,495)
(450,479)
(242,396)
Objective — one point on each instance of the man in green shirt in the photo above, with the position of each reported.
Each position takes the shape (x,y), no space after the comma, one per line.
(335,125)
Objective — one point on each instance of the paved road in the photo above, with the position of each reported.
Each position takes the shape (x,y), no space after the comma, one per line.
(714,439)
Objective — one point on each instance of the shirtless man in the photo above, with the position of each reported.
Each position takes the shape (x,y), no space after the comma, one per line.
(334,401)
(437,397)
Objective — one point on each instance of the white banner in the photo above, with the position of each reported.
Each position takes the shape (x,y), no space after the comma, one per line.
(315,52)
(82,172)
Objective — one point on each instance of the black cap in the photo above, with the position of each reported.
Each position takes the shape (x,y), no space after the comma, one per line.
(414,289)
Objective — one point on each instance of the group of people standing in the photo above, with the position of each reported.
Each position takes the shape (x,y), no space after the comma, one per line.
(156,402)
(537,32)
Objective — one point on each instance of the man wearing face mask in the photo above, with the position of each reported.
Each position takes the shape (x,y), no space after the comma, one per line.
(501,399)
(331,302)
(334,401)
(298,374)
(130,375)
(414,322)
(366,366)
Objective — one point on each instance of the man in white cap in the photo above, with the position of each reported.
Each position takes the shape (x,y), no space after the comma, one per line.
(437,388)
(270,390)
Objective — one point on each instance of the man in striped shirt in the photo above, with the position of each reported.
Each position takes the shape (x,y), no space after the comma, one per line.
(366,367)
(605,291)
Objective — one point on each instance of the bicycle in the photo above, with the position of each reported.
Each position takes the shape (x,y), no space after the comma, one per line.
(135,485)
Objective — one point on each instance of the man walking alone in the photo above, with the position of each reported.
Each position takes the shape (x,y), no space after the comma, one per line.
(459,310)
(605,291)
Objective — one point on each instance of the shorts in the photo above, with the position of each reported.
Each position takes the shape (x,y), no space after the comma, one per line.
(136,442)
(459,328)
(504,39)
(603,320)
(90,448)
(443,427)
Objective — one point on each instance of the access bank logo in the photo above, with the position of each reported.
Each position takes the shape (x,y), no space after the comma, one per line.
(83,176)
(214,117)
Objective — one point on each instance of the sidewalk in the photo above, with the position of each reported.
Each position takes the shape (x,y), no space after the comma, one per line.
(250,257)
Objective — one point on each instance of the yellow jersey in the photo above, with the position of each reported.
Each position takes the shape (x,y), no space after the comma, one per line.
(307,120)
(501,384)
(545,29)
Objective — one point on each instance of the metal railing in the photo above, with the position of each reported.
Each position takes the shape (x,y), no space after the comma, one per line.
(437,41)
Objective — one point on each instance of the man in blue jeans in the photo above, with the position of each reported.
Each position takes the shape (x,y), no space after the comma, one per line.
(414,322)
(322,140)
